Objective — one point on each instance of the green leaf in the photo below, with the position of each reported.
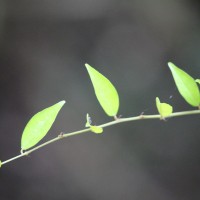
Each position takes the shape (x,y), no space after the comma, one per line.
(164,109)
(197,81)
(105,91)
(0,163)
(186,85)
(96,129)
(39,125)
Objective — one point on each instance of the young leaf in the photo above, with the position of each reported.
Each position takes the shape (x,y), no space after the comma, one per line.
(96,129)
(88,120)
(39,125)
(197,81)
(186,85)
(164,109)
(105,91)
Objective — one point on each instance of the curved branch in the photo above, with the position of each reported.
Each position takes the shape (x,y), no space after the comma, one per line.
(116,121)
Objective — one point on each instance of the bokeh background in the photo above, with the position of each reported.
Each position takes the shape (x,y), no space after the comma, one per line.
(44,45)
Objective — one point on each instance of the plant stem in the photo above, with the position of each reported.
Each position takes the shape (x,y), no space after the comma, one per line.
(116,121)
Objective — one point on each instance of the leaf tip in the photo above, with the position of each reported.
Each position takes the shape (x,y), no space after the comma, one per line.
(157,101)
(62,102)
(197,81)
(87,65)
(170,64)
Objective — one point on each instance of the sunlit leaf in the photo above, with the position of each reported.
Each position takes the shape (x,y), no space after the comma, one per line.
(164,109)
(0,163)
(96,129)
(198,81)
(105,91)
(39,125)
(186,85)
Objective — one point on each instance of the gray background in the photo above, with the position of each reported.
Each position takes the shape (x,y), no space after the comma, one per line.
(44,45)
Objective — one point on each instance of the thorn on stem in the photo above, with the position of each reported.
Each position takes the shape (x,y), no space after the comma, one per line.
(61,135)
(163,119)
(117,118)
(21,151)
(142,115)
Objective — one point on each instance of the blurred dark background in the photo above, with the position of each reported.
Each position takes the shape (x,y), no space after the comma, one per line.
(43,48)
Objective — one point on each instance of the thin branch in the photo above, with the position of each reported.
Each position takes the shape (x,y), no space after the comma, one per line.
(116,121)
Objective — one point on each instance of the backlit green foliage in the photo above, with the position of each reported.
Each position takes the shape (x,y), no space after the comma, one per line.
(94,129)
(186,85)
(39,125)
(105,91)
(107,95)
(163,108)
